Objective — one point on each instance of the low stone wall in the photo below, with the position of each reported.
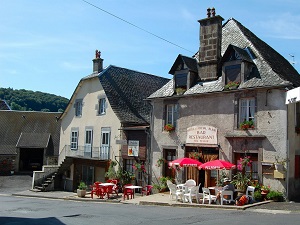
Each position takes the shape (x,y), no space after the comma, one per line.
(40,176)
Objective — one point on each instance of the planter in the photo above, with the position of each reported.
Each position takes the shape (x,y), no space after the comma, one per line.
(233,88)
(264,192)
(81,193)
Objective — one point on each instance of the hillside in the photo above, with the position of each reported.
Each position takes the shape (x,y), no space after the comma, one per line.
(25,100)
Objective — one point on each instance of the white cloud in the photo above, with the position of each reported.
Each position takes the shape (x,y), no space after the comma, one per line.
(284,26)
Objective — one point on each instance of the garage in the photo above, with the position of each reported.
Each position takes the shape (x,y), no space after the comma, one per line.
(31,159)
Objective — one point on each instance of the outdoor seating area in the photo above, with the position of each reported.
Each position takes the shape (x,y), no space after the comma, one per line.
(111,190)
(189,192)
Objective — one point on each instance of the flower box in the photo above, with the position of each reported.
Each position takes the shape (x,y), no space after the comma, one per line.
(247,124)
(231,85)
(169,127)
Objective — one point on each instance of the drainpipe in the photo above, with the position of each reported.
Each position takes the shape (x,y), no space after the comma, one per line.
(287,154)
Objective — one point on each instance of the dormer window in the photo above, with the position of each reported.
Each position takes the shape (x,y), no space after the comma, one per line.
(238,65)
(180,80)
(233,73)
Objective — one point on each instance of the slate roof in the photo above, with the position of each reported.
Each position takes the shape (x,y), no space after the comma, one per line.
(4,105)
(273,69)
(126,91)
(29,129)
(191,63)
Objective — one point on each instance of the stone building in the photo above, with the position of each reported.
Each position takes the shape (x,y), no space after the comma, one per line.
(226,102)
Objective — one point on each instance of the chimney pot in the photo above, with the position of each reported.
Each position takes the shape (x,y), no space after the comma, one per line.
(208,13)
(213,11)
(97,62)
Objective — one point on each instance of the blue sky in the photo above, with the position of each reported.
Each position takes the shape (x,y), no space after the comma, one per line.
(49,45)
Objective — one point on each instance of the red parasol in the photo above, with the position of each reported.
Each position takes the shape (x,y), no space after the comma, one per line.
(217,165)
(185,162)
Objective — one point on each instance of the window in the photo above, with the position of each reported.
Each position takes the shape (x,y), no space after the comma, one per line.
(128,165)
(88,143)
(102,106)
(78,108)
(74,140)
(233,73)
(180,80)
(171,114)
(105,143)
(247,109)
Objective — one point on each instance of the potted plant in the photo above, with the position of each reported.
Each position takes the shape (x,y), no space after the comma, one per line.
(231,85)
(246,124)
(161,185)
(81,191)
(169,127)
(265,189)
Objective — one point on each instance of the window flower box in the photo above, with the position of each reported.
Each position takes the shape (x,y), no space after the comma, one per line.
(231,85)
(247,124)
(180,91)
(169,127)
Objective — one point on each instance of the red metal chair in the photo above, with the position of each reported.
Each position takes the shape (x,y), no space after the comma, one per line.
(97,190)
(115,188)
(127,192)
(147,190)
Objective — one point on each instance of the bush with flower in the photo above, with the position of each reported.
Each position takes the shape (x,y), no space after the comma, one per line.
(161,184)
(139,167)
(160,162)
(241,180)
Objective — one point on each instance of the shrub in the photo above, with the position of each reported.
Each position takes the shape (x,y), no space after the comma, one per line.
(275,195)
(257,195)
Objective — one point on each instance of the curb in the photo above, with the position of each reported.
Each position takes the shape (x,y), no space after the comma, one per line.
(144,203)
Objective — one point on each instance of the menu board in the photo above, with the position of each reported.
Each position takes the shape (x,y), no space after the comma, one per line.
(133,148)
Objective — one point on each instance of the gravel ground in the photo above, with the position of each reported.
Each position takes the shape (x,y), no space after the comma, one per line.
(15,183)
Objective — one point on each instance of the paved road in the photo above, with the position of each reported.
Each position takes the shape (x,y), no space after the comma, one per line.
(16,210)
(18,183)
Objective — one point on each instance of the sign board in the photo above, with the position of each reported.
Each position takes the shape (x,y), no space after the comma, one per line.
(121,142)
(202,135)
(133,148)
(292,96)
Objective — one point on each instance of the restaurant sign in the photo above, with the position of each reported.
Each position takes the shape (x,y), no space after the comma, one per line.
(202,135)
(133,148)
(292,96)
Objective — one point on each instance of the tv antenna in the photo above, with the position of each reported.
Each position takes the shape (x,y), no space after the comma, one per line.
(293,59)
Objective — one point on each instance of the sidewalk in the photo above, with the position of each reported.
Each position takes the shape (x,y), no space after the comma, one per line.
(161,199)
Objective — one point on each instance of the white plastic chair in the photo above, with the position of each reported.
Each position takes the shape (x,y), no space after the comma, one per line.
(174,192)
(208,196)
(190,183)
(226,193)
(250,191)
(193,193)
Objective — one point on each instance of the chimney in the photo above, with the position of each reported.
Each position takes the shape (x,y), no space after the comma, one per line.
(97,62)
(210,45)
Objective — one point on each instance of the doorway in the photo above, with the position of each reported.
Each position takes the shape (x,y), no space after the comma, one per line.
(88,174)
